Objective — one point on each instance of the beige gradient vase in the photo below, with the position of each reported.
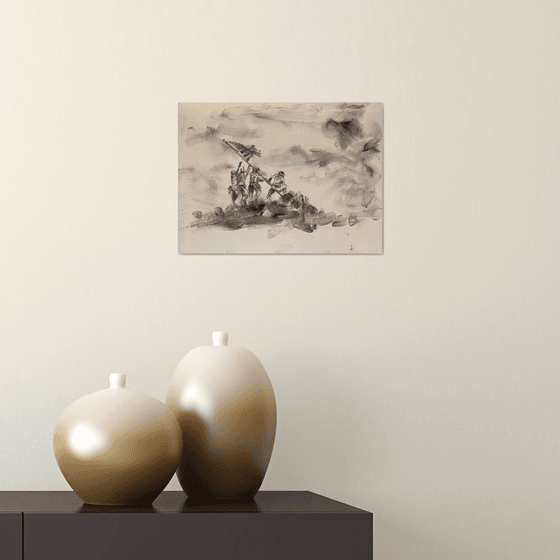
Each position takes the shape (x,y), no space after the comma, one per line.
(117,447)
(225,405)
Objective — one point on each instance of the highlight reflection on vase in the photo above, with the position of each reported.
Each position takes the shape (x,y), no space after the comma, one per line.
(226,408)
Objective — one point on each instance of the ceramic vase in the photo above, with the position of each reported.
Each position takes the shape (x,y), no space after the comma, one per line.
(224,402)
(117,447)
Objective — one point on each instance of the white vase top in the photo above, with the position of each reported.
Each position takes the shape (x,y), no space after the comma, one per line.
(117,380)
(220,338)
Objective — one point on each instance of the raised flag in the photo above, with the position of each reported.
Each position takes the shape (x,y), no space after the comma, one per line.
(246,152)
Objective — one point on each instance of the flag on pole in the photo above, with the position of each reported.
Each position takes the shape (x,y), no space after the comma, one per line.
(246,152)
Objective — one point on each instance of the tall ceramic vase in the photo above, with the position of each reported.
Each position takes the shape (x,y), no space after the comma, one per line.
(225,405)
(117,446)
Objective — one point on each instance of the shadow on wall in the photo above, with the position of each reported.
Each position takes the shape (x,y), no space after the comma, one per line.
(399,543)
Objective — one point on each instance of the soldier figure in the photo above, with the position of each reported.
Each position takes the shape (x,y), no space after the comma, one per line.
(241,185)
(277,185)
(254,190)
(232,189)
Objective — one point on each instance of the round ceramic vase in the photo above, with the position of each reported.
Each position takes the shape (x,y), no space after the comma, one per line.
(225,405)
(117,447)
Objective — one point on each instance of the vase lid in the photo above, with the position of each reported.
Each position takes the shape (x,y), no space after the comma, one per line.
(117,381)
(220,338)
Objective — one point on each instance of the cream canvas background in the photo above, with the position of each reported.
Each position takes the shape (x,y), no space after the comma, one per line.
(422,385)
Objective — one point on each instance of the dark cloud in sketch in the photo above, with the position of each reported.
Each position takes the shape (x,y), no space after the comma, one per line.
(323,158)
(242,132)
(194,137)
(221,167)
(209,143)
(237,124)
(293,156)
(371,146)
(355,187)
(345,132)
(298,156)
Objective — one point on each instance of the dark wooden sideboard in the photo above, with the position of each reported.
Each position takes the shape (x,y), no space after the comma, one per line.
(279,525)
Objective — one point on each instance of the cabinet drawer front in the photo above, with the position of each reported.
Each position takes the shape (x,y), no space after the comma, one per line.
(11,540)
(208,536)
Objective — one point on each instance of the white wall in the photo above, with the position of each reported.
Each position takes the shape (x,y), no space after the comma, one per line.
(422,384)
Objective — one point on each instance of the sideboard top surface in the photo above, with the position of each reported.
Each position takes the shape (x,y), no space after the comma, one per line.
(175,502)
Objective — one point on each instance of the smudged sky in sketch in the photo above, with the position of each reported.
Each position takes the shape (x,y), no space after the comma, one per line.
(330,152)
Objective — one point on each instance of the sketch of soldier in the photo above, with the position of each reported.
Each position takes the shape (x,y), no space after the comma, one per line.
(254,190)
(277,185)
(232,189)
(292,198)
(241,183)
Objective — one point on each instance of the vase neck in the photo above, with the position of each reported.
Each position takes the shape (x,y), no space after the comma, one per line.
(220,338)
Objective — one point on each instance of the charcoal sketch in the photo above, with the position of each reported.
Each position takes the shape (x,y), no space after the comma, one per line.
(280,178)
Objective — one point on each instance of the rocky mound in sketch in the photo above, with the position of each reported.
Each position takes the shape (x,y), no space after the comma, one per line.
(263,212)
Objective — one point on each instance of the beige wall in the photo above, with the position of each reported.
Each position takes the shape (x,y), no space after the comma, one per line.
(423,384)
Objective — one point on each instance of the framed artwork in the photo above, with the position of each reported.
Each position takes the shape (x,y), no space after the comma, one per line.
(280,178)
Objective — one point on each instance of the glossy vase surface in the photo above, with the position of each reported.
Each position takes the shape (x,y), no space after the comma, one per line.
(117,446)
(225,405)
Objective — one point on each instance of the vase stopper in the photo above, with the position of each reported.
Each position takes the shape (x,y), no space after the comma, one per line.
(220,338)
(117,380)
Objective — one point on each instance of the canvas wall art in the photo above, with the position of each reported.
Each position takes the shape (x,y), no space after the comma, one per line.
(280,178)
